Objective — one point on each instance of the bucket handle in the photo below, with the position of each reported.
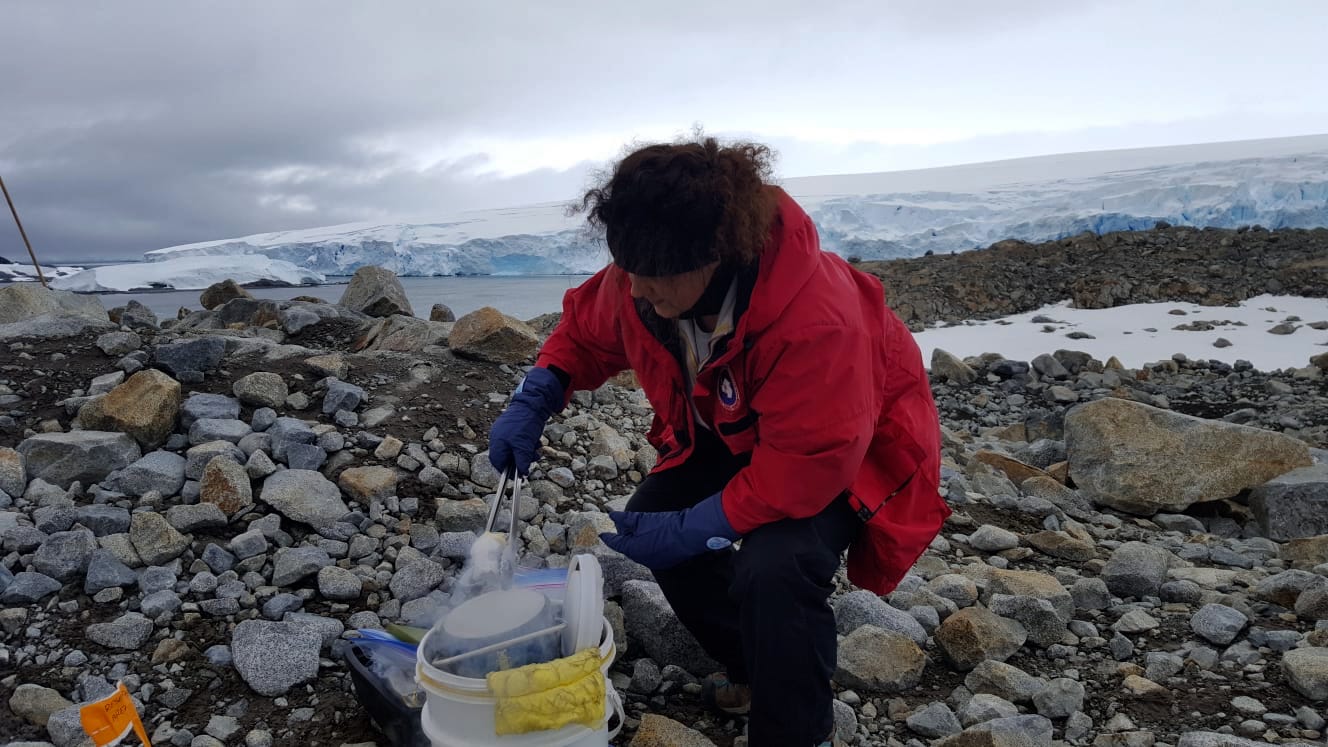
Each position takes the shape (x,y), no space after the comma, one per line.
(441,663)
(616,701)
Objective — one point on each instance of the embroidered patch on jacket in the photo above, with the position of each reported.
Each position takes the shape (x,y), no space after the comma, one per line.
(728,391)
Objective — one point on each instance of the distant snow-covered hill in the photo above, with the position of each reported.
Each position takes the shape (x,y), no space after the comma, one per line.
(17,272)
(1280,183)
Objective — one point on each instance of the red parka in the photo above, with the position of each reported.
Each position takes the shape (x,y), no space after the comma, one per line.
(820,382)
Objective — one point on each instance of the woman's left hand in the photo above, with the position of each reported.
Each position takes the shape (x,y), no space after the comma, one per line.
(662,540)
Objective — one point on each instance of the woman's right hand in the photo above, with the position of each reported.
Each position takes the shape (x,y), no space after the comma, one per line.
(514,439)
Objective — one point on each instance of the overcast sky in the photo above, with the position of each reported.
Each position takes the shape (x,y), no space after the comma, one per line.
(127,126)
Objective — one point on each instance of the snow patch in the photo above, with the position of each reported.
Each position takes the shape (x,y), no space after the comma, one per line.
(1122,331)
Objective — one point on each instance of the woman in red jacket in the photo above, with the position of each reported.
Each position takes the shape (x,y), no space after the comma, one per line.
(793,420)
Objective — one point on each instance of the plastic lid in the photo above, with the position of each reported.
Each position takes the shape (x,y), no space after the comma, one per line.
(583,605)
(485,616)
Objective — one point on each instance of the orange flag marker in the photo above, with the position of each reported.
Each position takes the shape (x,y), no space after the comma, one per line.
(108,720)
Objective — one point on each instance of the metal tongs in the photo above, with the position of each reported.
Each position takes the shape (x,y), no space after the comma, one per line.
(507,567)
(498,501)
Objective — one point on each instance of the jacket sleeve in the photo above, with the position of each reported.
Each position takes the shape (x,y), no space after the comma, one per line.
(818,409)
(587,344)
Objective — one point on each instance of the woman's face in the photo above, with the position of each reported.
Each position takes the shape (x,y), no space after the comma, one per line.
(672,295)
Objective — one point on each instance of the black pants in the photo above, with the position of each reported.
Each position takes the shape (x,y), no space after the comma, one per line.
(762,611)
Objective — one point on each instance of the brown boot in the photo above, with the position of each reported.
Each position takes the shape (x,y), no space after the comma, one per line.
(720,694)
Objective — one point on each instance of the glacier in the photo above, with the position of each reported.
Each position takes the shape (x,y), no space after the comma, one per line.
(1280,183)
(187,273)
(17,272)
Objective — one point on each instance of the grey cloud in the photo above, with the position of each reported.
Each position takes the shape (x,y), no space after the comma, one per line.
(131,125)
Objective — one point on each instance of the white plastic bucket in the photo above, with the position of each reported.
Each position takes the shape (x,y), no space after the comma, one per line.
(459,711)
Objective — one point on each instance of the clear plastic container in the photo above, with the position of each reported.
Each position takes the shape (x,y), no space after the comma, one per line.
(551,582)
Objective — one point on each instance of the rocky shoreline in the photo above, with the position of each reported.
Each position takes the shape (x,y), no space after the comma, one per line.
(1209,266)
(201,508)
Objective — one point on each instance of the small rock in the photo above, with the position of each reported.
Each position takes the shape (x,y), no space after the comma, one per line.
(1248,705)
(389,448)
(489,335)
(934,721)
(1293,505)
(273,657)
(1136,570)
(128,632)
(117,344)
(261,389)
(287,431)
(948,367)
(199,406)
(339,584)
(646,677)
(1135,622)
(1043,623)
(64,556)
(1012,731)
(258,467)
(1063,546)
(207,430)
(1145,689)
(658,731)
(650,620)
(304,496)
(294,564)
(223,727)
(308,457)
(154,539)
(1218,623)
(416,580)
(342,396)
(159,603)
(79,456)
(877,660)
(191,518)
(105,571)
(226,486)
(144,407)
(103,520)
(278,606)
(218,294)
(1059,699)
(367,484)
(985,707)
(989,538)
(35,704)
(248,544)
(973,635)
(1307,671)
(1006,680)
(332,364)
(861,607)
(198,457)
(377,292)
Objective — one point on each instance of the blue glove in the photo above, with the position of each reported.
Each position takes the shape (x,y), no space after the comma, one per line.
(515,437)
(661,540)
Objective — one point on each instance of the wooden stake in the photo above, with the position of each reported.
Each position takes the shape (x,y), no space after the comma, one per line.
(23,233)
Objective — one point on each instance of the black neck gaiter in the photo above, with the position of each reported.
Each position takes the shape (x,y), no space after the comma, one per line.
(712,300)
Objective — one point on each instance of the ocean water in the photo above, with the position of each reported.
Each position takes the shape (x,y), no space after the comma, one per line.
(522,297)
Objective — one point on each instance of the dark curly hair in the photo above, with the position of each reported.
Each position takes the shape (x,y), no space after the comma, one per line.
(667,209)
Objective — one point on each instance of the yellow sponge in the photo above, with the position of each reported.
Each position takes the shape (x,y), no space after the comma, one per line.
(549,696)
